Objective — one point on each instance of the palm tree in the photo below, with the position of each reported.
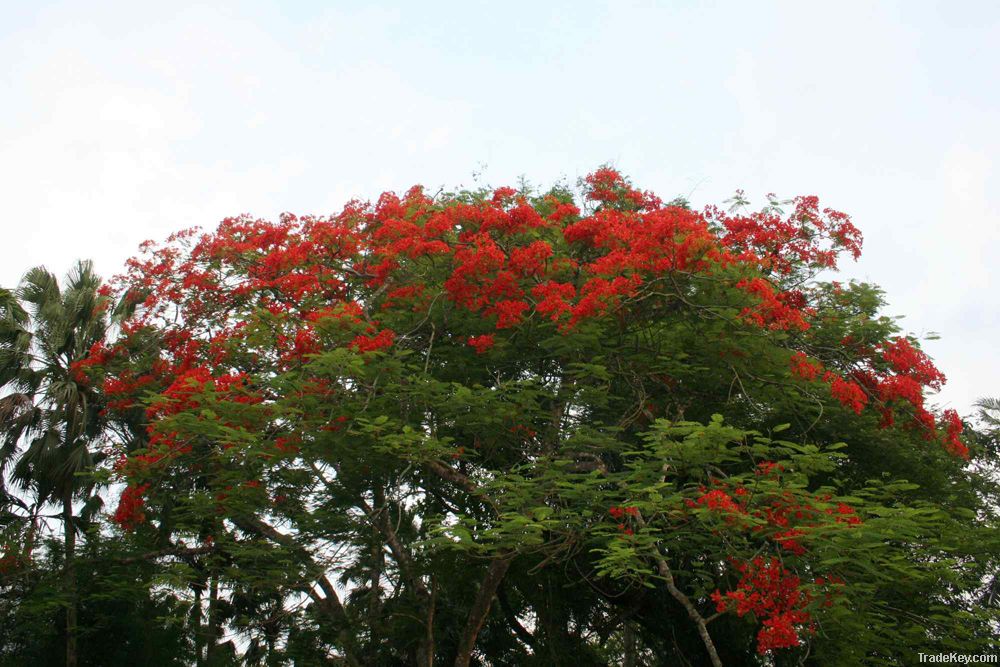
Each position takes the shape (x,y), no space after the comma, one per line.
(49,416)
(989,428)
(989,412)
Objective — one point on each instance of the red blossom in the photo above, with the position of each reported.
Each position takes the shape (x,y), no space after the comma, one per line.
(849,394)
(379,341)
(906,359)
(553,298)
(481,343)
(773,309)
(621,511)
(773,594)
(509,313)
(718,500)
(952,424)
(805,368)
(529,260)
(766,468)
(129,513)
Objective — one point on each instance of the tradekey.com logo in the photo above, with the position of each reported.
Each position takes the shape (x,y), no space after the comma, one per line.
(959,658)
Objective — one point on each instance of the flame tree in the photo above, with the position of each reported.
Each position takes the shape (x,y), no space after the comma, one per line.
(508,427)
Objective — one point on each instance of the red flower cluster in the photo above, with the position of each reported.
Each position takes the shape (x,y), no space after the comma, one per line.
(953,428)
(619,512)
(781,516)
(805,368)
(183,393)
(772,593)
(894,373)
(97,356)
(481,343)
(789,518)
(765,468)
(774,310)
(718,500)
(850,394)
(913,363)
(379,341)
(810,237)
(129,513)
(287,444)
(608,187)
(499,266)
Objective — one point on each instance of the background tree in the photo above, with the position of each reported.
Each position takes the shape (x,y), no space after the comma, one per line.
(50,416)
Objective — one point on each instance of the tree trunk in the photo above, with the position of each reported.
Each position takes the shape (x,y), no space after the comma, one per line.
(69,579)
(212,639)
(199,656)
(629,641)
(425,649)
(481,608)
(552,620)
(377,555)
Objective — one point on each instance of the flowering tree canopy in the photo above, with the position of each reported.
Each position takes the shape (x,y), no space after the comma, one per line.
(504,427)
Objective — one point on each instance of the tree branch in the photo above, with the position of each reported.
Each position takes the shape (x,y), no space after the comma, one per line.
(330,602)
(379,519)
(664,569)
(519,630)
(449,474)
(173,551)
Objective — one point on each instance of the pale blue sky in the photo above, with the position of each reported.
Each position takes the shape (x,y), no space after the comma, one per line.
(126,121)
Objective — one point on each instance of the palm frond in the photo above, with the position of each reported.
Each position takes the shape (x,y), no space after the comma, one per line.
(989,411)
